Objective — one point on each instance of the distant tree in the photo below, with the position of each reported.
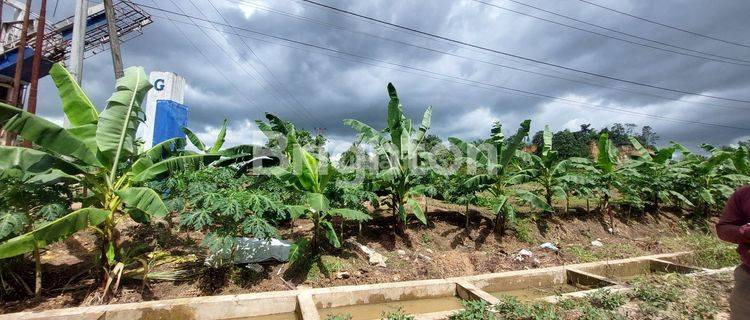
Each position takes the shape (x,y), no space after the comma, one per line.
(647,137)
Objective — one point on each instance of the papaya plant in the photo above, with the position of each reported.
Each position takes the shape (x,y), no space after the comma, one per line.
(497,173)
(100,153)
(304,174)
(398,147)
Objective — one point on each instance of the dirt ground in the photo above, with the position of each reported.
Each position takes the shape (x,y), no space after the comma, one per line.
(443,248)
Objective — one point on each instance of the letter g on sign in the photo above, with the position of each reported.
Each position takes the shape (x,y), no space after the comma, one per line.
(159,84)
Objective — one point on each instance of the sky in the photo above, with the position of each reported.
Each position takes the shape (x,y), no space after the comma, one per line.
(466,86)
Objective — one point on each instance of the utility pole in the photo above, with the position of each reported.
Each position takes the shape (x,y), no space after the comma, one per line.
(79,34)
(114,39)
(15,91)
(37,61)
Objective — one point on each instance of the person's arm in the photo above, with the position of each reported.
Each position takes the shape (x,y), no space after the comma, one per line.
(733,226)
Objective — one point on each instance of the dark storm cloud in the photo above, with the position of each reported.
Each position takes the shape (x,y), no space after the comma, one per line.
(327,90)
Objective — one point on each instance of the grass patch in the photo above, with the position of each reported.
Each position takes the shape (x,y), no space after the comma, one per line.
(583,254)
(708,250)
(396,315)
(522,229)
(606,299)
(657,296)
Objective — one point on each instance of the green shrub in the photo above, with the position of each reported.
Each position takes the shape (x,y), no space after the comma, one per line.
(474,310)
(396,315)
(606,299)
(657,296)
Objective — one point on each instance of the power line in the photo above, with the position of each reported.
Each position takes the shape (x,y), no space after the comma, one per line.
(210,62)
(665,25)
(273,76)
(236,62)
(277,95)
(519,56)
(333,26)
(741,62)
(455,79)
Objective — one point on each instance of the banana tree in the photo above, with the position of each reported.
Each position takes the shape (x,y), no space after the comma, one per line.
(242,157)
(398,146)
(557,177)
(305,175)
(708,182)
(99,152)
(611,175)
(496,173)
(657,175)
(198,144)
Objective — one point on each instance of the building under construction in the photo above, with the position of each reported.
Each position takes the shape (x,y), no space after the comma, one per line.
(18,41)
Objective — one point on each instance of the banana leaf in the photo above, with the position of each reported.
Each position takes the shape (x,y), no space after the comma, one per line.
(115,132)
(46,134)
(76,105)
(53,231)
(144,200)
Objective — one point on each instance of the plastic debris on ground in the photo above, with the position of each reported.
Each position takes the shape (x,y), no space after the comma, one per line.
(253,250)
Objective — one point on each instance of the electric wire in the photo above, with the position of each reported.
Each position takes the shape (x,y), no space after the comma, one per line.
(600,75)
(210,62)
(584,82)
(238,63)
(265,66)
(698,54)
(464,81)
(665,25)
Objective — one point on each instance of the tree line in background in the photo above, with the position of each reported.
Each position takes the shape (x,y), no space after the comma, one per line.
(251,190)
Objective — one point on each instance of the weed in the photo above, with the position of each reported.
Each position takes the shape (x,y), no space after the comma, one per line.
(396,315)
(512,309)
(544,311)
(710,252)
(522,228)
(584,255)
(426,238)
(589,312)
(568,304)
(702,309)
(606,299)
(339,317)
(474,310)
(657,296)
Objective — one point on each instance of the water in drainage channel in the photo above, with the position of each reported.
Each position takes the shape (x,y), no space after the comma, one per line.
(377,310)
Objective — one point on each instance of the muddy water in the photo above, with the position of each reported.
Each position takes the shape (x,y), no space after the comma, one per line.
(280,316)
(538,292)
(376,310)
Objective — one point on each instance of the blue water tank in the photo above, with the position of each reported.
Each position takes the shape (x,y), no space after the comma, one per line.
(169,119)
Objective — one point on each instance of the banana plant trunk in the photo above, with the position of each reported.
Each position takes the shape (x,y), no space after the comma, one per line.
(398,206)
(500,223)
(609,212)
(466,216)
(316,232)
(37,274)
(548,196)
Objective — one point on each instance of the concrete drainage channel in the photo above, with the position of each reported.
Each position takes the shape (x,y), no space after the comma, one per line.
(427,299)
